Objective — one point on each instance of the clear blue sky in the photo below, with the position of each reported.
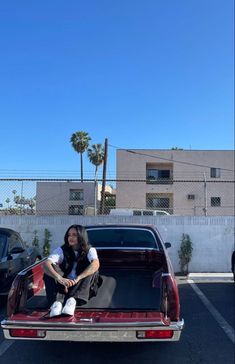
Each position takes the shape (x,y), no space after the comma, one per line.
(147,74)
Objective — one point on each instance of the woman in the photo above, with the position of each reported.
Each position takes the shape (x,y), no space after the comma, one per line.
(71,272)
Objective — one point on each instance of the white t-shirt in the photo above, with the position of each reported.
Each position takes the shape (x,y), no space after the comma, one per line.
(57,257)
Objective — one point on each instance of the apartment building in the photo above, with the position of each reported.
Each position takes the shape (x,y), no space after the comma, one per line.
(182,182)
(68,198)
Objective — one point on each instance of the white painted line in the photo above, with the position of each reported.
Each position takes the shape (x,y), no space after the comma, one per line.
(229,331)
(4,346)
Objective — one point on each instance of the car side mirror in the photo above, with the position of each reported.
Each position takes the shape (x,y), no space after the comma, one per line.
(167,245)
(16,250)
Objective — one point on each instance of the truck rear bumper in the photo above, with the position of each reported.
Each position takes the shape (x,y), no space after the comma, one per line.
(88,332)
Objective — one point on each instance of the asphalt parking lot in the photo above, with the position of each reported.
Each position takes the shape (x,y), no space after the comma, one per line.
(207,306)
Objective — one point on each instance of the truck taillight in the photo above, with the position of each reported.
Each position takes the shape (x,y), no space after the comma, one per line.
(170,290)
(27,333)
(154,334)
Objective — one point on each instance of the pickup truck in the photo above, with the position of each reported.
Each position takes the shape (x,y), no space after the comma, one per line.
(138,300)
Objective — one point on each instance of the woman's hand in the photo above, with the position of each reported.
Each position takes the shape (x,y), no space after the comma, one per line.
(76,280)
(65,281)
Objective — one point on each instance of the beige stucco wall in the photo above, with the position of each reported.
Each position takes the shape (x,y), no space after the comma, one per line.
(195,167)
(53,197)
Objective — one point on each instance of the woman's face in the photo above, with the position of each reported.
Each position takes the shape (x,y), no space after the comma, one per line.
(73,238)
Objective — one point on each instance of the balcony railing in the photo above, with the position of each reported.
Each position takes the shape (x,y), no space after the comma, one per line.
(162,181)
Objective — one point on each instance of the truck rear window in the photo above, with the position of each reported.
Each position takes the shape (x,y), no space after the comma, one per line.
(115,237)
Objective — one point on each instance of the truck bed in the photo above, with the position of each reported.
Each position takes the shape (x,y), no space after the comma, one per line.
(120,289)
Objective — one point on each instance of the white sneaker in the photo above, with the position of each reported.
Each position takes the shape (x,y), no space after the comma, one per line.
(69,307)
(56,309)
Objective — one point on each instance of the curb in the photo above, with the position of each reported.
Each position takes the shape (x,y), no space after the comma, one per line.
(211,276)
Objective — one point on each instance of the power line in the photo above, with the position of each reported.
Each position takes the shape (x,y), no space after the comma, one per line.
(171,160)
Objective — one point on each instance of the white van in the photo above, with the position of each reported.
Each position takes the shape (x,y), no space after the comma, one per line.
(137,212)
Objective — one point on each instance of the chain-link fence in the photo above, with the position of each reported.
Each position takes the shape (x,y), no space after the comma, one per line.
(120,197)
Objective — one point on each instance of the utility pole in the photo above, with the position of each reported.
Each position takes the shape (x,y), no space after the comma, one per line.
(102,202)
(205,196)
(21,197)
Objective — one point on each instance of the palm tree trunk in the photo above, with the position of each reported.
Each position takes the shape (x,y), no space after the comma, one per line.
(81,160)
(95,204)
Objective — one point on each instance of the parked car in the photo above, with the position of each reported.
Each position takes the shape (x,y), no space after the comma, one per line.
(14,256)
(233,264)
(137,212)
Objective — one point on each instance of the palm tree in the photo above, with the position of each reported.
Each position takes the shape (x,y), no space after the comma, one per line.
(96,157)
(8,201)
(80,142)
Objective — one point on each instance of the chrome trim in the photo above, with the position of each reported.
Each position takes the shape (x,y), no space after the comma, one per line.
(166,274)
(25,270)
(89,325)
(109,333)
(126,227)
(178,325)
(124,248)
(86,320)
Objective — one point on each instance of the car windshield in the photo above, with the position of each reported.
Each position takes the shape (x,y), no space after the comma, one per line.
(3,240)
(118,237)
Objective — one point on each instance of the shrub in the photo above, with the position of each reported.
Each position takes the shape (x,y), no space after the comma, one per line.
(185,253)
(35,241)
(46,245)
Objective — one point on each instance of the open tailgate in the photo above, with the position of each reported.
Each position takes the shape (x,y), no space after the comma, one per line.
(93,326)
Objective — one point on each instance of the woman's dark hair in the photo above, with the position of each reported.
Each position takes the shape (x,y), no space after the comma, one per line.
(83,242)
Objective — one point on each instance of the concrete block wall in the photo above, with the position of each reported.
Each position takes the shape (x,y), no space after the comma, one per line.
(212,237)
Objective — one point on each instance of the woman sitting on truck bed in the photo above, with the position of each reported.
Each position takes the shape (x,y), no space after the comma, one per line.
(71,272)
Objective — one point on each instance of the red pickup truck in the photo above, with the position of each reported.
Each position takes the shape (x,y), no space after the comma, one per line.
(138,300)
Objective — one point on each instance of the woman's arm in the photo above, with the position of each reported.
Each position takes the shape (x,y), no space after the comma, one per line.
(50,271)
(91,269)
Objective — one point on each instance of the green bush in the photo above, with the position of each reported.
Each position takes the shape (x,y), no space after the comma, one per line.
(35,241)
(46,245)
(185,253)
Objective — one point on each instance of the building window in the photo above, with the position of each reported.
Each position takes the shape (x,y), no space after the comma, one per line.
(110,200)
(76,195)
(215,201)
(158,175)
(158,202)
(215,172)
(76,210)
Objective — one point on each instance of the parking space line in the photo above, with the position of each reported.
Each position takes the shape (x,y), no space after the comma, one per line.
(4,346)
(229,331)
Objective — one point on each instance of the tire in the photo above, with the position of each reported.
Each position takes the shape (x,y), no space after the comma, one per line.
(233,265)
